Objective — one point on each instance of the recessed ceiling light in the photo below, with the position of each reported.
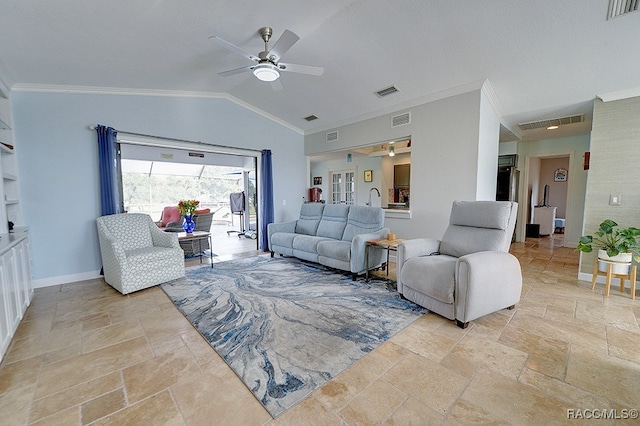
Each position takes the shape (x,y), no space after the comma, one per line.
(552,127)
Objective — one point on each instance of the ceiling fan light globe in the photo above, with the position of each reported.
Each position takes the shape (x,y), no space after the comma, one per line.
(266,72)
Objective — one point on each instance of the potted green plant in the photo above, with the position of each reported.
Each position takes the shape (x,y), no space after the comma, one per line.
(614,244)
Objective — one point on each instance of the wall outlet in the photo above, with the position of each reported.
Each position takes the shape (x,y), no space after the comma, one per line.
(615,200)
(284,202)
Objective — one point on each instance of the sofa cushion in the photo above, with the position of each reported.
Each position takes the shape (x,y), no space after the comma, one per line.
(433,276)
(340,250)
(333,222)
(310,215)
(362,220)
(307,243)
(282,239)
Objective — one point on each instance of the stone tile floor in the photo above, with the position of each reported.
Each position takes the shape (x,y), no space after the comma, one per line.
(85,354)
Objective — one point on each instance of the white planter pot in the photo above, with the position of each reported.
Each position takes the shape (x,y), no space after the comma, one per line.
(620,264)
(620,258)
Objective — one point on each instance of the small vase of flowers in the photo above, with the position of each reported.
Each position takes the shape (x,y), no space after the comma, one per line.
(187,208)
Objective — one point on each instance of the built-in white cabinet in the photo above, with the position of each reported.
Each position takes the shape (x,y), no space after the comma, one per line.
(16,284)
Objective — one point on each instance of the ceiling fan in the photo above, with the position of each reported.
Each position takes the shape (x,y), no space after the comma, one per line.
(267,65)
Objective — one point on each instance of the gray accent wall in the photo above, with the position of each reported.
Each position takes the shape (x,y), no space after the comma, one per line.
(447,136)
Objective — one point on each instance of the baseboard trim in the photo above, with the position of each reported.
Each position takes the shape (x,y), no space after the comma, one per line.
(66,279)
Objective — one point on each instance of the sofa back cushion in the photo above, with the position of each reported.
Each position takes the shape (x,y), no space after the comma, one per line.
(334,219)
(479,226)
(310,215)
(362,220)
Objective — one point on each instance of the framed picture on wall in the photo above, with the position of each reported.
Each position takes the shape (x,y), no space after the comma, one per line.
(317,180)
(560,175)
(368,175)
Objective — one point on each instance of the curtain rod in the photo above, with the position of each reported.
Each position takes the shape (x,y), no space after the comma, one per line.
(92,127)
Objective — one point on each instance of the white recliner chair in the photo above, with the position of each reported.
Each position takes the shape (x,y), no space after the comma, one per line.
(136,254)
(470,272)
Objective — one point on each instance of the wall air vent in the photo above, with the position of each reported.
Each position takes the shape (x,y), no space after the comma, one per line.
(622,7)
(332,136)
(543,124)
(386,91)
(311,117)
(401,120)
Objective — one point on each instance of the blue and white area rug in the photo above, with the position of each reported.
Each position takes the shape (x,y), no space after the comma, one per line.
(286,327)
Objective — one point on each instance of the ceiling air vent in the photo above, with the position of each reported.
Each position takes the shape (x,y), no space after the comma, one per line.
(622,7)
(332,136)
(401,120)
(543,124)
(311,117)
(387,91)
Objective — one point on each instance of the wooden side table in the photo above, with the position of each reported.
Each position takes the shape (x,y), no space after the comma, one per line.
(631,276)
(382,243)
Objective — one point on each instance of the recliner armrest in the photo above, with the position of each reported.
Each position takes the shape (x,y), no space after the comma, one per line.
(413,248)
(486,282)
(417,247)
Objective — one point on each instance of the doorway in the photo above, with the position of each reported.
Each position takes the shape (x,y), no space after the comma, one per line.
(154,177)
(545,203)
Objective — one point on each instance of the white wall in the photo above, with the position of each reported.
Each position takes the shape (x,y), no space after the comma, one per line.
(58,163)
(445,138)
(488,137)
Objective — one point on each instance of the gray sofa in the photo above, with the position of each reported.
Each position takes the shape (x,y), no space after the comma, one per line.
(333,235)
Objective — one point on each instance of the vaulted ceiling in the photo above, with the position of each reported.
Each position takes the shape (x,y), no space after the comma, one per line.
(543,59)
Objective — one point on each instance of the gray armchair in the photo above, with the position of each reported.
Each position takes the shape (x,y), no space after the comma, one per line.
(469,273)
(136,254)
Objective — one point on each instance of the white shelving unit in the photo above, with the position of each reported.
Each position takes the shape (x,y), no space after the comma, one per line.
(9,190)
(16,285)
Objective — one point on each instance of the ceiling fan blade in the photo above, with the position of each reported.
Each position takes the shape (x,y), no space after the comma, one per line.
(236,71)
(284,43)
(223,43)
(303,69)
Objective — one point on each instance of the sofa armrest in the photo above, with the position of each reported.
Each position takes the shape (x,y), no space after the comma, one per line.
(486,282)
(359,247)
(413,248)
(272,228)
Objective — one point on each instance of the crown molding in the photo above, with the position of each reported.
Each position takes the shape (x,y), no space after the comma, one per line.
(91,90)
